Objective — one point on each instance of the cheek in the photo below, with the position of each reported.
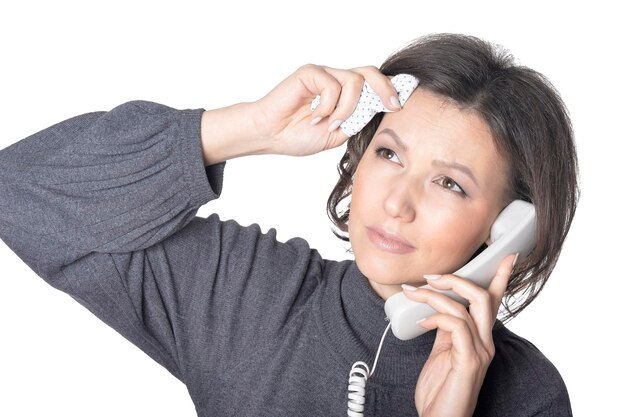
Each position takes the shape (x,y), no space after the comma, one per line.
(445,235)
(364,186)
(454,238)
(364,207)
(356,204)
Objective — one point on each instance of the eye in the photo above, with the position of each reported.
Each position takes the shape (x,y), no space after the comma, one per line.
(451,185)
(384,152)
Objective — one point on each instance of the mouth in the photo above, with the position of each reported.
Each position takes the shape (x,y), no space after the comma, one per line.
(386,242)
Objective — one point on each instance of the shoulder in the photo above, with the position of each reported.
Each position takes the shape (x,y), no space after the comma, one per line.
(252,255)
(521,380)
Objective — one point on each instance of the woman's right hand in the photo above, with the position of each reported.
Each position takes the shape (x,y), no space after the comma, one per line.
(283,117)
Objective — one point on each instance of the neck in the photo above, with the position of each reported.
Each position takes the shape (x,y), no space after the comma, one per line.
(384,291)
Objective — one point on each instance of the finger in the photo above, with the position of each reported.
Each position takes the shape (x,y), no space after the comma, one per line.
(336,138)
(498,285)
(480,304)
(317,81)
(381,84)
(351,86)
(437,300)
(444,304)
(463,347)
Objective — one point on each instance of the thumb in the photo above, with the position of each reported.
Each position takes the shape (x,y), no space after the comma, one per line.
(336,138)
(500,281)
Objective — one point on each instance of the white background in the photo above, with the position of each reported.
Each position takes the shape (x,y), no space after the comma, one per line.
(61,58)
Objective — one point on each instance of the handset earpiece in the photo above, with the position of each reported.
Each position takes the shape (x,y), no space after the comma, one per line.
(513,231)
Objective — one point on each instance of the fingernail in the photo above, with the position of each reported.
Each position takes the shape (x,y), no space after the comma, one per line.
(315,121)
(515,260)
(432,276)
(409,287)
(395,102)
(334,125)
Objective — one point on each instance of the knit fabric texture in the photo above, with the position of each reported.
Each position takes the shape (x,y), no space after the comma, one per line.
(102,206)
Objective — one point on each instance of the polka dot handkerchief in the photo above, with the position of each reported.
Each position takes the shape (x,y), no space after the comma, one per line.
(369,103)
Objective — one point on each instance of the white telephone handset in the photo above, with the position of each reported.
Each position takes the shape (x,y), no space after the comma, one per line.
(513,231)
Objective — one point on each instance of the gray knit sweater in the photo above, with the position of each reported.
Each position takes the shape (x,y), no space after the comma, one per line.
(102,207)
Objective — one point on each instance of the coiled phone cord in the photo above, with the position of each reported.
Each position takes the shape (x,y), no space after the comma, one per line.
(359,374)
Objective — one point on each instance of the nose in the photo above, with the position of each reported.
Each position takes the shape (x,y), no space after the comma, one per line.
(400,201)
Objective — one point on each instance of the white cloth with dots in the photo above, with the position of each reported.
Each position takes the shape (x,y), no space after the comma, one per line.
(370,103)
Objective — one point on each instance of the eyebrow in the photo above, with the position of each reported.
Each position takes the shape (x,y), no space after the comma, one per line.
(436,162)
(457,166)
(395,137)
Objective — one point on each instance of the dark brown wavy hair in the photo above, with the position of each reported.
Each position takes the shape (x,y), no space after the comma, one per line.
(529,123)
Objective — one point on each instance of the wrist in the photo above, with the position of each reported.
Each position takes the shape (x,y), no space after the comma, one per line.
(230,132)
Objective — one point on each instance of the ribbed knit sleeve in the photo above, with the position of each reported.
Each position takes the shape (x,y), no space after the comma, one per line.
(88,202)
(106,182)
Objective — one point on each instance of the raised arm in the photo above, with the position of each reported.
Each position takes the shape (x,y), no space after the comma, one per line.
(230,132)
(102,206)
(107,182)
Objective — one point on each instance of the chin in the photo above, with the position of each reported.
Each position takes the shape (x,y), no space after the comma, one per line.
(380,272)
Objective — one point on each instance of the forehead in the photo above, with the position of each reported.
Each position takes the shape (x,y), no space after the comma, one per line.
(433,116)
(435,128)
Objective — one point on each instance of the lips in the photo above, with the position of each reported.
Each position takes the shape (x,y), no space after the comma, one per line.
(388,242)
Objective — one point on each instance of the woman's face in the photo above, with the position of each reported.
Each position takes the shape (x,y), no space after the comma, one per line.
(439,185)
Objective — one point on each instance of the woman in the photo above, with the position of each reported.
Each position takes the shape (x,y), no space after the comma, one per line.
(102,207)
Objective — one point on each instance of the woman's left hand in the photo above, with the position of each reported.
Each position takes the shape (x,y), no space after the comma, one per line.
(450,380)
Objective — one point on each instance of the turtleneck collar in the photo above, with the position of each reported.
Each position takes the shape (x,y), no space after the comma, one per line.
(353,318)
